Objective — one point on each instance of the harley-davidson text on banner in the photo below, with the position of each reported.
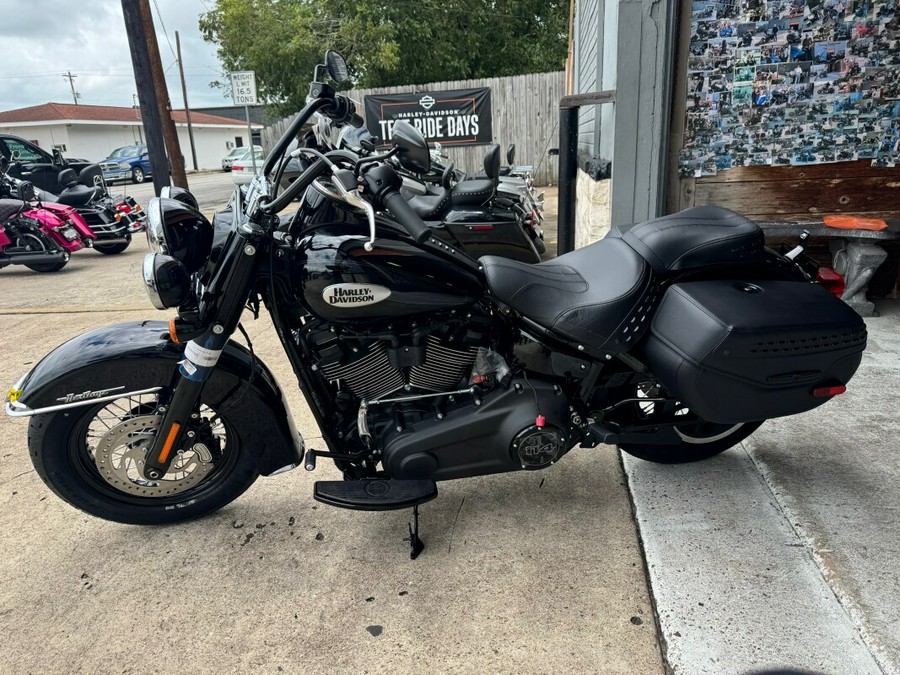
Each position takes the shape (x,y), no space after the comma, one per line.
(458,117)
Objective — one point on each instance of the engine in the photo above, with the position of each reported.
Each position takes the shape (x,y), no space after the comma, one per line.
(436,400)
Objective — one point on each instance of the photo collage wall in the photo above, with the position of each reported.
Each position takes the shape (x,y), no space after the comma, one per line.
(792,83)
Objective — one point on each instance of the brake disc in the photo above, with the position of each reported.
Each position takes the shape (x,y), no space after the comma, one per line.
(120,454)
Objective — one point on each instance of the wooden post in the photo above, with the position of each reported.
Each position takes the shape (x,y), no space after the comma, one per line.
(176,159)
(187,108)
(143,78)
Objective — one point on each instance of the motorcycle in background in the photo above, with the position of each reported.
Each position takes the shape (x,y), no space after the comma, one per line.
(40,239)
(113,220)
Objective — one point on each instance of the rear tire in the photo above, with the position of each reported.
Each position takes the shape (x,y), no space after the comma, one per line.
(112,249)
(38,242)
(700,440)
(69,447)
(137,175)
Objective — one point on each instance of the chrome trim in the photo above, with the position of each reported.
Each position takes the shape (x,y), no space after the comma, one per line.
(148,270)
(21,410)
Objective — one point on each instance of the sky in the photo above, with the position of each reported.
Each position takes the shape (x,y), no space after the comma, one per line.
(42,39)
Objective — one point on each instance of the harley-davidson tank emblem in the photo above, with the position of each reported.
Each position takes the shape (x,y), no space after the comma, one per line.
(355,294)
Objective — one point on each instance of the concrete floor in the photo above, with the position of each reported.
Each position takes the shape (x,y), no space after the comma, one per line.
(781,552)
(522,573)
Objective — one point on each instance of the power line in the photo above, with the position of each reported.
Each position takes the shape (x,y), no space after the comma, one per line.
(159,16)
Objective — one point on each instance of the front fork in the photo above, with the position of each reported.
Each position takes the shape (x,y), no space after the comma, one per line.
(202,353)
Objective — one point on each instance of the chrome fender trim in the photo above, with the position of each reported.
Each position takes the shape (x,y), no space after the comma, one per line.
(16,409)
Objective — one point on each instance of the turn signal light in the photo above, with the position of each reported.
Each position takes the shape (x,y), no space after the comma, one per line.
(822,392)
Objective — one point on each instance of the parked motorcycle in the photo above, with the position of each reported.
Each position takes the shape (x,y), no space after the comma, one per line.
(494,212)
(673,339)
(37,238)
(113,219)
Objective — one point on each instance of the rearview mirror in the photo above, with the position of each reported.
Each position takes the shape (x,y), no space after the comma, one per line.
(16,154)
(337,67)
(511,154)
(412,149)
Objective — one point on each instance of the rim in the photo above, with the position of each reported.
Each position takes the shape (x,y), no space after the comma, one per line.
(30,236)
(139,175)
(112,440)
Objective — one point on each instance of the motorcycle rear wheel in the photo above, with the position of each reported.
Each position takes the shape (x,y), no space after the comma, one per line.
(38,242)
(90,458)
(112,249)
(699,440)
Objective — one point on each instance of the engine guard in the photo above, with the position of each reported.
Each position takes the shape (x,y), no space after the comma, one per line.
(138,357)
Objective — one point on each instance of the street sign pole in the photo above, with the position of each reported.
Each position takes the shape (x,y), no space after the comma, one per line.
(243,92)
(250,136)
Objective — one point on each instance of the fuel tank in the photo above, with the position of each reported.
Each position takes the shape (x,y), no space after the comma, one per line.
(339,280)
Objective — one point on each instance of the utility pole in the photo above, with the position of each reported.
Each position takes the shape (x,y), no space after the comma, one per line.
(176,159)
(143,78)
(71,78)
(187,108)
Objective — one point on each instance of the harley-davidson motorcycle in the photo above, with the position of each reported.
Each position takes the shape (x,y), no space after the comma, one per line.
(673,339)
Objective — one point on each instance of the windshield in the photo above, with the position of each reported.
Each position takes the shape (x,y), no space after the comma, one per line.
(129,151)
(237,152)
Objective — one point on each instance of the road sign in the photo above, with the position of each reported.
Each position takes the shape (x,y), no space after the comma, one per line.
(243,87)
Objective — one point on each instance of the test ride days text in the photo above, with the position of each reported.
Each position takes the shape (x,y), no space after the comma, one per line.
(438,126)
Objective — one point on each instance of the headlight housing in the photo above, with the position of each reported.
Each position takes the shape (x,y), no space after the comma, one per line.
(167,281)
(179,230)
(124,165)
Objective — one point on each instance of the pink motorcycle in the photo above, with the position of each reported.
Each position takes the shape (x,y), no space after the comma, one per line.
(36,237)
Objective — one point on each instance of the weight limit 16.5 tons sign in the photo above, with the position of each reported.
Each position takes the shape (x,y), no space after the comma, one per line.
(243,87)
(458,117)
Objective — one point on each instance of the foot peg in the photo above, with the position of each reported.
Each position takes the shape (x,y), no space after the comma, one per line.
(380,495)
(603,434)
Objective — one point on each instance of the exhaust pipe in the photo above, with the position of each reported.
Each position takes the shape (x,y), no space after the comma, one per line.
(33,258)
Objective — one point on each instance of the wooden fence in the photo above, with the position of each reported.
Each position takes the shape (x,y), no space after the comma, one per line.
(524,109)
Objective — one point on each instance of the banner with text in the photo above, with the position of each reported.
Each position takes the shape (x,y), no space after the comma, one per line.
(458,117)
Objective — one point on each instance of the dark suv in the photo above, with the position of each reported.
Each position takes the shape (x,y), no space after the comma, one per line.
(38,166)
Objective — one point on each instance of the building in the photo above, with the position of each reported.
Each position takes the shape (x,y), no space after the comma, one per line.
(91,132)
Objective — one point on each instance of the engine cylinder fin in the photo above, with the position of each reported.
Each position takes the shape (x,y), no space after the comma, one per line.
(371,376)
(444,366)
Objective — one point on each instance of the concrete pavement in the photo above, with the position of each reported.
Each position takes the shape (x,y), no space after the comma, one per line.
(522,573)
(785,551)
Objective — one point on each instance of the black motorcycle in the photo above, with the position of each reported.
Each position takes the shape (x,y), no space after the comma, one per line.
(673,339)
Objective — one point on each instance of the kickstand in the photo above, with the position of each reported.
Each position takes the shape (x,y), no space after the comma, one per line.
(415,544)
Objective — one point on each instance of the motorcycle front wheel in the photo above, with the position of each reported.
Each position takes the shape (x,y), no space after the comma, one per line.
(91,457)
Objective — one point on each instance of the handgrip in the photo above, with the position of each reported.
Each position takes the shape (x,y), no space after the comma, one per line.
(406,216)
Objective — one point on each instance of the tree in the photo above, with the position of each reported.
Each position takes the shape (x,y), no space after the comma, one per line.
(385,42)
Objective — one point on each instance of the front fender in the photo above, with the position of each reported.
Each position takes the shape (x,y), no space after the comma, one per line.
(135,356)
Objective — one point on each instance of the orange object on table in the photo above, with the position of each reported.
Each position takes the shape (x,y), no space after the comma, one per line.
(855,223)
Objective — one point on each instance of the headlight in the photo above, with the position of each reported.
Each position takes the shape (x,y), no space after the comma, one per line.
(166,279)
(125,165)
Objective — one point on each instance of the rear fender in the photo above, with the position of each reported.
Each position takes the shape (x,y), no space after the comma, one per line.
(138,356)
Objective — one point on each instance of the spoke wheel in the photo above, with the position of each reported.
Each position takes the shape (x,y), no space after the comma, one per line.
(93,457)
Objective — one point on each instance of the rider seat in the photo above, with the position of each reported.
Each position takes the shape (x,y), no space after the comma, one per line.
(599,296)
(9,208)
(696,237)
(78,195)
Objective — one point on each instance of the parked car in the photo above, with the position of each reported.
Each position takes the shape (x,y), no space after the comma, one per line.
(228,159)
(131,162)
(242,167)
(35,164)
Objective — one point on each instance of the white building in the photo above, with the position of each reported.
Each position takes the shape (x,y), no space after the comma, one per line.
(91,132)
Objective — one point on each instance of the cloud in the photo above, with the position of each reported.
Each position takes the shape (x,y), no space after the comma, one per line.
(88,38)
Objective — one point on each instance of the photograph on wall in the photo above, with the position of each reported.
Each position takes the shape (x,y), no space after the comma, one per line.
(792,82)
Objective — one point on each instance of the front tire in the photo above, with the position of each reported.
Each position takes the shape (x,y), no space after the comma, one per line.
(90,458)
